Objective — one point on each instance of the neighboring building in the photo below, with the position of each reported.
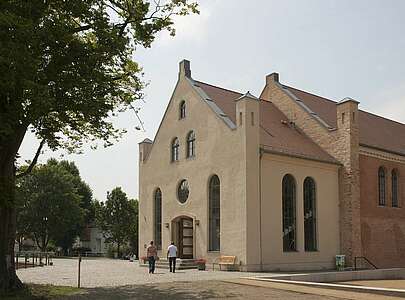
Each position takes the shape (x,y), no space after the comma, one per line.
(284,182)
(93,239)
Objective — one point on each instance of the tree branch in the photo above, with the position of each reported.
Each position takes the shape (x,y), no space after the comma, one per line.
(34,161)
(81,28)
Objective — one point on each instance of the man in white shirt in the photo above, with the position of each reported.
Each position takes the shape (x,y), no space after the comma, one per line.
(172,255)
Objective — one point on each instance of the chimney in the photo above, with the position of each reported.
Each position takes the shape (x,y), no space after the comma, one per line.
(273,77)
(184,69)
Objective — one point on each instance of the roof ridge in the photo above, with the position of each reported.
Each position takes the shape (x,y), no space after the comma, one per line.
(367,112)
(381,117)
(218,87)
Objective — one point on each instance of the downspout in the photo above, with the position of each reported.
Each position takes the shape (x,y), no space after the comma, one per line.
(260,207)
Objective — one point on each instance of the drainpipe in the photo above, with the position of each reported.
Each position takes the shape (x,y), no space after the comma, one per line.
(260,207)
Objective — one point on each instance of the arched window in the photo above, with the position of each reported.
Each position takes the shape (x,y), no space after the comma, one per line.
(191,144)
(310,214)
(289,219)
(381,186)
(182,109)
(394,188)
(214,214)
(158,218)
(175,149)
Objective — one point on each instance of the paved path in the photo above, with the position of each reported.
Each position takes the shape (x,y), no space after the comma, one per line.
(109,273)
(196,290)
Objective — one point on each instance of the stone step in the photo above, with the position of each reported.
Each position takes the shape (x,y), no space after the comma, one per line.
(181,264)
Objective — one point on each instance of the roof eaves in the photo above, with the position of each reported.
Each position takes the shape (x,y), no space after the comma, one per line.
(382,149)
(272,150)
(211,103)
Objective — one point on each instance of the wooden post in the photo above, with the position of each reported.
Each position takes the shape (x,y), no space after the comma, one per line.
(78,275)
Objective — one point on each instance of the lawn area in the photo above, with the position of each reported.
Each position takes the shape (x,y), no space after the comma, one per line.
(39,291)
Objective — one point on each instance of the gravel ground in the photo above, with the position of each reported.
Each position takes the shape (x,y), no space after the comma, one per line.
(111,273)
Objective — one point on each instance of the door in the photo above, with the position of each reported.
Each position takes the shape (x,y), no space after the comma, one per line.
(185,238)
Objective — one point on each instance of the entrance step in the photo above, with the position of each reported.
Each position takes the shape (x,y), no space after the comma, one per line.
(181,264)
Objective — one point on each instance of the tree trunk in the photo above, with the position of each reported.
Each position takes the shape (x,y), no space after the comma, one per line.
(8,276)
(8,151)
(118,250)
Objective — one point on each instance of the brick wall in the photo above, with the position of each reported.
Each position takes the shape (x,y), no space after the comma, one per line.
(382,227)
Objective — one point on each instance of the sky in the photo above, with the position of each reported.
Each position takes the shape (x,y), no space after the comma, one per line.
(334,49)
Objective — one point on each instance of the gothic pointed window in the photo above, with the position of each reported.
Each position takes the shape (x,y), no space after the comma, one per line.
(310,235)
(175,149)
(381,186)
(289,213)
(158,218)
(191,144)
(214,218)
(395,188)
(182,110)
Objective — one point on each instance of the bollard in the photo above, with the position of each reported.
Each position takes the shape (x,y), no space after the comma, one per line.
(78,275)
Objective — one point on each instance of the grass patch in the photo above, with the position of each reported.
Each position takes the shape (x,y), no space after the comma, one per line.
(42,292)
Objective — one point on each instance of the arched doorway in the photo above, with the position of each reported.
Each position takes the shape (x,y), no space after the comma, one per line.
(183,236)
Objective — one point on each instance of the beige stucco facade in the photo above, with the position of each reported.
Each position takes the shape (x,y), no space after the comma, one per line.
(250,185)
(274,167)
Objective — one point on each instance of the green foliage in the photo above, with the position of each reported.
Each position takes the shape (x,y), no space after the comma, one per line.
(118,218)
(50,204)
(67,66)
(42,292)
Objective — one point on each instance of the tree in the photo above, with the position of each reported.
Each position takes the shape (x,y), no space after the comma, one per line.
(65,68)
(117,218)
(51,208)
(134,230)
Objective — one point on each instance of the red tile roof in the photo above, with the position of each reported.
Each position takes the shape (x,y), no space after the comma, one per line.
(375,131)
(276,134)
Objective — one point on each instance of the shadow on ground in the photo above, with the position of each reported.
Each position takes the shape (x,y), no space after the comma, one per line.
(155,292)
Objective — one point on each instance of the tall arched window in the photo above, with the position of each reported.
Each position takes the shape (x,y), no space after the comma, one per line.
(310,214)
(381,186)
(191,144)
(289,218)
(394,188)
(214,217)
(158,218)
(182,110)
(175,149)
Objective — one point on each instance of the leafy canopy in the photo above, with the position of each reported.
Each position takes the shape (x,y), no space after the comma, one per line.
(67,66)
(118,217)
(49,204)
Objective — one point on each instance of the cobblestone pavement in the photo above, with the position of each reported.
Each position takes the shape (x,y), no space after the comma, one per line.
(109,273)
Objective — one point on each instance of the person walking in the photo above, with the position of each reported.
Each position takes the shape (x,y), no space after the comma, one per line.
(151,254)
(172,255)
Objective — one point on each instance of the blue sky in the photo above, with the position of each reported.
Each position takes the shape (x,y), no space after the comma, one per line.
(336,49)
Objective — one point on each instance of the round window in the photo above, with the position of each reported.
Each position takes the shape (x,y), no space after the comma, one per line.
(183,191)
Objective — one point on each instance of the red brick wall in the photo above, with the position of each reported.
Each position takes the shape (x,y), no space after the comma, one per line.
(382,227)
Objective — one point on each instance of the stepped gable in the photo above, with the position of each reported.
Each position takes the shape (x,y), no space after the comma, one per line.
(375,131)
(277,134)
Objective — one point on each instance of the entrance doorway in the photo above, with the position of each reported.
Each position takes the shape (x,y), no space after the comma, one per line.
(182,235)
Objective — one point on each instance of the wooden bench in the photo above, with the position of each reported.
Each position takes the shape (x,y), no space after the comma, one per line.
(226,260)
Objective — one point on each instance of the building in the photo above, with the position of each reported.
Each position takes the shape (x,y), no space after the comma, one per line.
(285,181)
(93,240)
